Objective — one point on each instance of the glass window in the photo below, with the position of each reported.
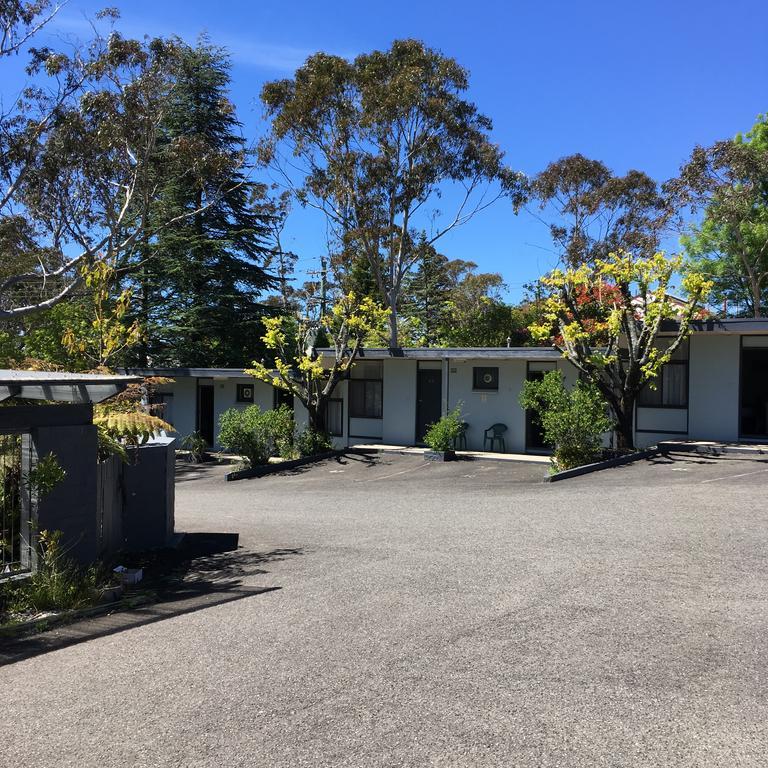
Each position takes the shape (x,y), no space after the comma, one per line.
(334,417)
(671,388)
(365,399)
(485,378)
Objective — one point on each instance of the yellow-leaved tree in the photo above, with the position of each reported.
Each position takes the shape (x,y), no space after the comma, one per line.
(606,317)
(298,367)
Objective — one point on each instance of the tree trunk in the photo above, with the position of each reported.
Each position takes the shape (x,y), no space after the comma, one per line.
(625,423)
(393,337)
(316,413)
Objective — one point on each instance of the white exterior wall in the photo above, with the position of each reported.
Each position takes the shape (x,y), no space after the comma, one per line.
(713,396)
(182,408)
(714,387)
(481,409)
(399,405)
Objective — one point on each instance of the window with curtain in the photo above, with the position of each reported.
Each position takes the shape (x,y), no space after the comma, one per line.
(671,388)
(334,417)
(365,399)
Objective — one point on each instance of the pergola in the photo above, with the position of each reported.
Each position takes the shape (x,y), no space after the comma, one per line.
(62,387)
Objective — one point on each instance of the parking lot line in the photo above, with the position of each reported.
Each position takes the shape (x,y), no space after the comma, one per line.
(394,474)
(733,477)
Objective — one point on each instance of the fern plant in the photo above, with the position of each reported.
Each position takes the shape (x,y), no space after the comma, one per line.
(131,428)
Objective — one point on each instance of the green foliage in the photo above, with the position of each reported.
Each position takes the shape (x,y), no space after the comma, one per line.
(605,316)
(45,475)
(310,442)
(729,181)
(441,435)
(196,445)
(255,434)
(198,283)
(299,369)
(110,445)
(573,420)
(133,428)
(58,584)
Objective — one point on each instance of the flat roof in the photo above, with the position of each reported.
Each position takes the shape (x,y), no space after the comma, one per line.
(181,371)
(457,353)
(62,386)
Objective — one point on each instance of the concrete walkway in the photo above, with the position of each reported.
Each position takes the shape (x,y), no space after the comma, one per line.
(461,614)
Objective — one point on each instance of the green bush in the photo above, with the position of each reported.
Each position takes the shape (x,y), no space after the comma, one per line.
(573,420)
(255,434)
(441,435)
(196,445)
(310,442)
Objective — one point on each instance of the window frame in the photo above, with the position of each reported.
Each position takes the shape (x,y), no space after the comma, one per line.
(365,382)
(478,386)
(660,389)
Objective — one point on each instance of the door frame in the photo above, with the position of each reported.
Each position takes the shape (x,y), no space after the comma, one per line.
(198,420)
(419,370)
(742,436)
(528,413)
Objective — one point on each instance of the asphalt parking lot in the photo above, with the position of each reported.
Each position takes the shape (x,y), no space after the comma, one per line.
(424,614)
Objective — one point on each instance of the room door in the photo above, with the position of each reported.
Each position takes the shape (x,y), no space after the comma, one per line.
(205,412)
(429,395)
(534,436)
(754,392)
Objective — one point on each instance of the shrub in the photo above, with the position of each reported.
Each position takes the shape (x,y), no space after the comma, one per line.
(309,442)
(196,445)
(57,584)
(441,435)
(573,420)
(256,434)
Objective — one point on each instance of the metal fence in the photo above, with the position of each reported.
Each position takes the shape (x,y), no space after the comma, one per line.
(15,526)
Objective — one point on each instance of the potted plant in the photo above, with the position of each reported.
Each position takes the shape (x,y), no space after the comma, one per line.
(441,437)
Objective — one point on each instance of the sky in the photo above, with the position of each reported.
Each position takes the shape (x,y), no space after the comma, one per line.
(634,84)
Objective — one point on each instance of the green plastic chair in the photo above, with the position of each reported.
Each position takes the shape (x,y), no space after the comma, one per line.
(494,434)
(460,442)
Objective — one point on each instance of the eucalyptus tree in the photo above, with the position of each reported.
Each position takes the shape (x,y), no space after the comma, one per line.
(76,161)
(729,183)
(592,212)
(374,143)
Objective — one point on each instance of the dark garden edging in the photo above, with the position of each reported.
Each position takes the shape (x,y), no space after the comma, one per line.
(280,466)
(607,464)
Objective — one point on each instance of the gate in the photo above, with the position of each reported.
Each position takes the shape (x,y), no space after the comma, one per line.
(16,534)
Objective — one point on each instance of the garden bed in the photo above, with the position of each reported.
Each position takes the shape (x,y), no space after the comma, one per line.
(280,466)
(613,461)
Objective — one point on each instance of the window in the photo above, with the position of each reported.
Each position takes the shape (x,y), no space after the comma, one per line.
(365,399)
(671,384)
(245,393)
(334,417)
(485,378)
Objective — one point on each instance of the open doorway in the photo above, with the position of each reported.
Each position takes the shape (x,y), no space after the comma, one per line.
(534,434)
(753,408)
(205,412)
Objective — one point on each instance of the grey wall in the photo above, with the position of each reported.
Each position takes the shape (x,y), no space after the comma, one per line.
(71,506)
(399,405)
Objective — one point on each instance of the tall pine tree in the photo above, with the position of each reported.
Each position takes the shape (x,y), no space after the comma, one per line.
(199,283)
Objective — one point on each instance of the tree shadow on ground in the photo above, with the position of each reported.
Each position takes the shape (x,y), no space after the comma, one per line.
(207,569)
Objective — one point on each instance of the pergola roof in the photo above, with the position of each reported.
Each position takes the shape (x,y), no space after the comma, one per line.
(62,387)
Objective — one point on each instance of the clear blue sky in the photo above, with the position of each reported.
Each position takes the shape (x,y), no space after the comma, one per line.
(635,84)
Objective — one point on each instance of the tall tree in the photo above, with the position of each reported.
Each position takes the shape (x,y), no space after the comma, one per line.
(376,141)
(591,212)
(75,159)
(199,281)
(729,182)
